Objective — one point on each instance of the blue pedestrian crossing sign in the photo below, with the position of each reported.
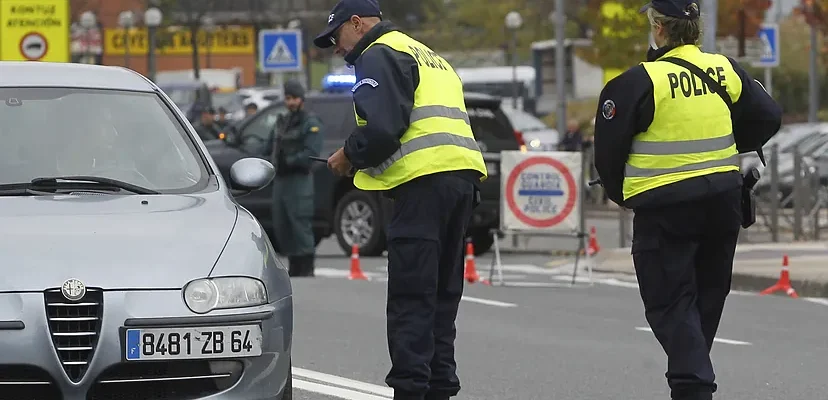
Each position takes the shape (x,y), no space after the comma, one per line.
(769,41)
(280,50)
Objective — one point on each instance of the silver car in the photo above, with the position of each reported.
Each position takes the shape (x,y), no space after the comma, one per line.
(129,270)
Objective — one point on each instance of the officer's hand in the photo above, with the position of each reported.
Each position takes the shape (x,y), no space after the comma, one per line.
(340,164)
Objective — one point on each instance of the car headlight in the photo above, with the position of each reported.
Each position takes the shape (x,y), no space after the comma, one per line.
(205,295)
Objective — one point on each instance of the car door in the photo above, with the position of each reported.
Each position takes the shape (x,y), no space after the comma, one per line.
(494,133)
(338,121)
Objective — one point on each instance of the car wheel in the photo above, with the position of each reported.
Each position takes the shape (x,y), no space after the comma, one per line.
(357,220)
(482,242)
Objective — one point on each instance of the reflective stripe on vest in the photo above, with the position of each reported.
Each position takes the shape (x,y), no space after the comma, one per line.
(439,137)
(690,134)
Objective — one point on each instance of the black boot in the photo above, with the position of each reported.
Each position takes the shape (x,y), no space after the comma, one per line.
(294,266)
(307,265)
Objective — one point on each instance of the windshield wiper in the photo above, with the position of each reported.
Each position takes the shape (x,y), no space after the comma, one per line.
(83,182)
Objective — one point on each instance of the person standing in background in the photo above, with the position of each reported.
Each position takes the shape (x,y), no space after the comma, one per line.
(298,135)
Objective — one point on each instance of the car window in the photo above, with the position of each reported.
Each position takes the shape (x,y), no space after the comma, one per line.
(492,128)
(231,102)
(337,116)
(256,135)
(524,121)
(128,136)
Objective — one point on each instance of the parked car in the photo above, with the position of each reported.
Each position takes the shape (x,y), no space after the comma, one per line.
(531,131)
(129,270)
(352,215)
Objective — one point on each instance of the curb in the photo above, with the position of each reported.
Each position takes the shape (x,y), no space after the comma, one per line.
(754,283)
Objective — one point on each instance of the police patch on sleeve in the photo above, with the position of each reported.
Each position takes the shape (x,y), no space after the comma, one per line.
(314,129)
(608,109)
(366,81)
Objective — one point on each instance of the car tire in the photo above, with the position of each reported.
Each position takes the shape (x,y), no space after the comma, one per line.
(482,241)
(357,212)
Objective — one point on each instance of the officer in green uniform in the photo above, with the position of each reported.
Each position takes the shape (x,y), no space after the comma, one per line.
(298,135)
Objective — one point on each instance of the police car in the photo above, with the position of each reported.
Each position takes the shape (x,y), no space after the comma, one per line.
(353,215)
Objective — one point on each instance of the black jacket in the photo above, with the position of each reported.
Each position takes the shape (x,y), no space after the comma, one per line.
(756,118)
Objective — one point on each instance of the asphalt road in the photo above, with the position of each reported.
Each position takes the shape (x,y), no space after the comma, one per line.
(546,343)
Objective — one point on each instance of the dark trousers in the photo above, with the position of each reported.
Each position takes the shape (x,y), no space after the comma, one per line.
(683,255)
(425,282)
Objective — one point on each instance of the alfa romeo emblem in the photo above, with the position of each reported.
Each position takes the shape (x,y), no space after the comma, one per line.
(73,289)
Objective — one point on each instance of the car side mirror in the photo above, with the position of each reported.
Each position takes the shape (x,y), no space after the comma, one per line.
(250,174)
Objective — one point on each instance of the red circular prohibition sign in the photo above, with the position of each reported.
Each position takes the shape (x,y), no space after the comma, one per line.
(570,200)
(23,50)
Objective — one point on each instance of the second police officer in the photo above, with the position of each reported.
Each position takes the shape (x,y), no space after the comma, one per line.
(298,135)
(413,142)
(668,135)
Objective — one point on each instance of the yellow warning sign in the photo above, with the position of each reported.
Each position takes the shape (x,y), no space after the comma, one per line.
(34,30)
(176,41)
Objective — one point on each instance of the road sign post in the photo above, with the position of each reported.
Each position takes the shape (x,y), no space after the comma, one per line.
(769,58)
(280,51)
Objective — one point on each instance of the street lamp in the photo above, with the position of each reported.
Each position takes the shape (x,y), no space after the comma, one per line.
(209,27)
(88,21)
(513,22)
(126,20)
(152,19)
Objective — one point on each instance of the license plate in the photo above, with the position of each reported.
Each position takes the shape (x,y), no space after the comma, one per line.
(195,342)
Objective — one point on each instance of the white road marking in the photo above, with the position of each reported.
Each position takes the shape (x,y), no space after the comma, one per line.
(817,300)
(720,340)
(335,391)
(358,390)
(488,302)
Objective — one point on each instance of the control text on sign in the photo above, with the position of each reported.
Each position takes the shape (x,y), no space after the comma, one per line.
(186,343)
(540,190)
(34,16)
(34,30)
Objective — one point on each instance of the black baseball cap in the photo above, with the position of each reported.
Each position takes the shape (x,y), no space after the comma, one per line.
(341,13)
(683,9)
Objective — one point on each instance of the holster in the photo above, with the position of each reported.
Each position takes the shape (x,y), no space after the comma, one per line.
(748,206)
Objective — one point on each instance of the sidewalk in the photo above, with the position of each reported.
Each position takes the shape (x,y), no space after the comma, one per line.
(755,267)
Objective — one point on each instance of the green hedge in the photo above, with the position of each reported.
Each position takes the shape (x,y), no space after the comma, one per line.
(790,89)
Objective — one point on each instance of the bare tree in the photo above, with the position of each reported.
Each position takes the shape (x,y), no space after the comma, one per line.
(190,14)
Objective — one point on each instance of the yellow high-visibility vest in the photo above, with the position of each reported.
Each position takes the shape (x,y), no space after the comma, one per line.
(439,137)
(691,133)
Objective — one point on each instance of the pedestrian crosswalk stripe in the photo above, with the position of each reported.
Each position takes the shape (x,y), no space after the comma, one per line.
(280,54)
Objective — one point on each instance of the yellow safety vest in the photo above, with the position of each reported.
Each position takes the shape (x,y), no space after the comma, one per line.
(691,133)
(439,137)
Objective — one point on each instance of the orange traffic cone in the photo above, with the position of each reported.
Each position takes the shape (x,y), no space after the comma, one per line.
(471,272)
(593,247)
(784,282)
(356,271)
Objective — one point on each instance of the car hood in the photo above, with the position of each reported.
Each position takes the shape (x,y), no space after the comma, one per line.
(111,242)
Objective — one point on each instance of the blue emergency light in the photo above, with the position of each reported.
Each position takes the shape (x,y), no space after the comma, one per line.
(338,82)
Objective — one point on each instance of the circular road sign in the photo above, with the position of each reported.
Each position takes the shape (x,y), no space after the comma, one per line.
(33,46)
(541,192)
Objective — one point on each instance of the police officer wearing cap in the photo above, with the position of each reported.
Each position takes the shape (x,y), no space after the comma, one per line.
(413,141)
(668,135)
(298,135)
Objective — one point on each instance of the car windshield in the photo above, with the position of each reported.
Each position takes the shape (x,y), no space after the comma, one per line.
(129,136)
(181,96)
(524,121)
(231,102)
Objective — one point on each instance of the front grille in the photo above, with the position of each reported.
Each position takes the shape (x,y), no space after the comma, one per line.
(75,327)
(24,382)
(165,380)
